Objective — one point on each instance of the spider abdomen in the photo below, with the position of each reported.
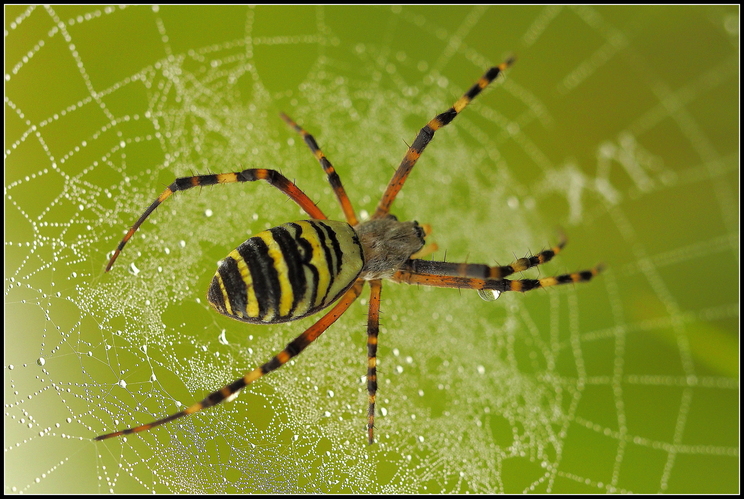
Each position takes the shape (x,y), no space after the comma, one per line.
(287,272)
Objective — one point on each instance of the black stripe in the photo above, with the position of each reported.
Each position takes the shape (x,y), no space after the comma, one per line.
(586,275)
(310,141)
(320,229)
(215,398)
(184,183)
(492,73)
(474,91)
(237,292)
(446,117)
(271,365)
(422,139)
(356,241)
(333,177)
(297,345)
(336,248)
(308,255)
(215,296)
(529,284)
(249,175)
(295,273)
(546,255)
(371,381)
(562,279)
(255,252)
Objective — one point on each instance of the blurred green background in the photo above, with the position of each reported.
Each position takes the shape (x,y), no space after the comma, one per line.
(617,124)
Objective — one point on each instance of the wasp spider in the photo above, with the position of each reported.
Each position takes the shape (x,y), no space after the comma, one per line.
(300,268)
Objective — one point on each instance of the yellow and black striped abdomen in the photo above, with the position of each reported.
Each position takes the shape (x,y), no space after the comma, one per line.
(287,272)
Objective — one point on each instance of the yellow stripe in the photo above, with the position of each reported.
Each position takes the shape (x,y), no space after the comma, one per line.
(227,178)
(165,195)
(435,124)
(548,281)
(461,103)
(252,376)
(194,408)
(319,261)
(280,265)
(521,264)
(225,296)
(245,274)
(303,301)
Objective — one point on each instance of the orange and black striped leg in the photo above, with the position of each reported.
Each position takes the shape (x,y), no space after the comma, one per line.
(480,271)
(292,349)
(273,177)
(427,133)
(487,284)
(333,177)
(373,329)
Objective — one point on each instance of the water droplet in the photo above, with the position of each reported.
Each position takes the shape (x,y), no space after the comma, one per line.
(133,269)
(489,294)
(41,361)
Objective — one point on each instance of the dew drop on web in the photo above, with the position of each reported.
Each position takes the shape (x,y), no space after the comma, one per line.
(489,294)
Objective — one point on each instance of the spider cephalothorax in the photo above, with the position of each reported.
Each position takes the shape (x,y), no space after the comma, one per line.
(387,244)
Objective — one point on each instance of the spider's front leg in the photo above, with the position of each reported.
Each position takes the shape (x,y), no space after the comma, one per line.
(486,284)
(273,177)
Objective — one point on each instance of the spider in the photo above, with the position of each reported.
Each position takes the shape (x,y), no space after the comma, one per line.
(300,268)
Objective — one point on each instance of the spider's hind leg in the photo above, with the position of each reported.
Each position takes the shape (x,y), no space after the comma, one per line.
(373,329)
(291,350)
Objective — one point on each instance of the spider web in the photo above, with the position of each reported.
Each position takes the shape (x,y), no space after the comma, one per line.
(619,125)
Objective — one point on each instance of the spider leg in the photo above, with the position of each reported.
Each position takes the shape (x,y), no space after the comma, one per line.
(292,349)
(480,271)
(333,177)
(273,177)
(373,328)
(427,133)
(409,276)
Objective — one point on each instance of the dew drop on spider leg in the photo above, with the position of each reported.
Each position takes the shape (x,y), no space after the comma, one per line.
(489,294)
